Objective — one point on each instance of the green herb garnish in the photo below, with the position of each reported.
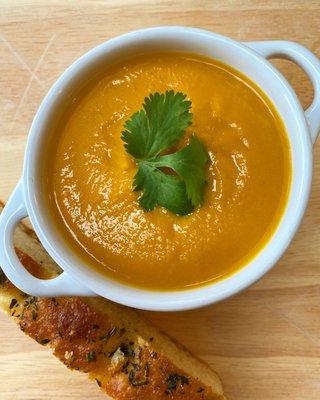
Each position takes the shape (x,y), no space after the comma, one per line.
(127,350)
(138,376)
(174,380)
(91,356)
(151,131)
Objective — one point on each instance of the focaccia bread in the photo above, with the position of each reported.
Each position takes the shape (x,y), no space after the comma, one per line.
(127,357)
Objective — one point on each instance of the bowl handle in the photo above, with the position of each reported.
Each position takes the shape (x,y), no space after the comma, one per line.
(13,212)
(307,61)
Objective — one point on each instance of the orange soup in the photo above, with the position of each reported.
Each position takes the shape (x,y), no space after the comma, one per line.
(90,175)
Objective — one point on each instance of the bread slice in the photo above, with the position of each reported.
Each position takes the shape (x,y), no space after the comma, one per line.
(128,357)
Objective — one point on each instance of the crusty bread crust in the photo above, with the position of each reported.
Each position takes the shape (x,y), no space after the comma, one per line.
(114,345)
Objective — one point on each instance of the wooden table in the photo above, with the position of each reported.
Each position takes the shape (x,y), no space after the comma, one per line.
(265,343)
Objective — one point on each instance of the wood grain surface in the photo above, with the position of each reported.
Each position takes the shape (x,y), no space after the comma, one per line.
(265,342)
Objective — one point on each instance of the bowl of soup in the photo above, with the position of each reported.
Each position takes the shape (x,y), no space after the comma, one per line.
(77,182)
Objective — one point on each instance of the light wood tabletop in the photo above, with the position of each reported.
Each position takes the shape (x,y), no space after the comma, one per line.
(265,342)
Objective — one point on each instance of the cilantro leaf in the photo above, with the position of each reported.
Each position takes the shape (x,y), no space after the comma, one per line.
(158,126)
(161,189)
(189,163)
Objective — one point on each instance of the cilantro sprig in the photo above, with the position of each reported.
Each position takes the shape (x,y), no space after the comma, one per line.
(151,131)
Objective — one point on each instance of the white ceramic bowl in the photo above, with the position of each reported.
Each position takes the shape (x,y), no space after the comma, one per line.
(28,198)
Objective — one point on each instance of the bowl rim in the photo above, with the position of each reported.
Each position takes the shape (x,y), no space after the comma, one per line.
(145,298)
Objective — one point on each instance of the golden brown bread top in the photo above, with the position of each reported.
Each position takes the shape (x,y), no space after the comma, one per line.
(124,363)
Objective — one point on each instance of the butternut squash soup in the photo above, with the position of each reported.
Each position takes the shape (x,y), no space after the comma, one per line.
(89,175)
